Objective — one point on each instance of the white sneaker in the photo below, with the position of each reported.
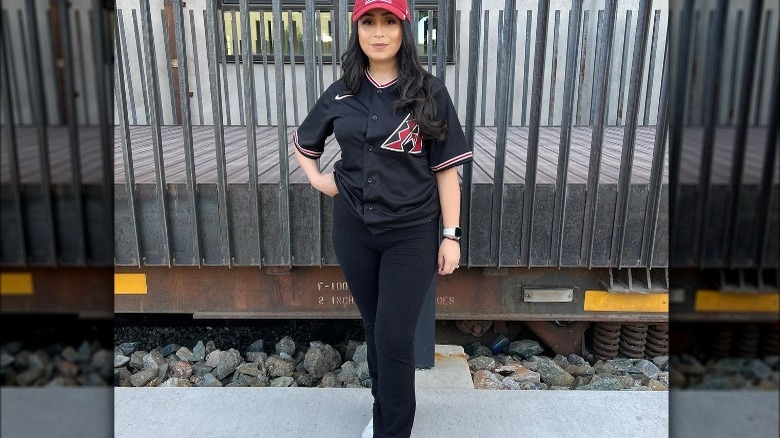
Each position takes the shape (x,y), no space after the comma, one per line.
(368,432)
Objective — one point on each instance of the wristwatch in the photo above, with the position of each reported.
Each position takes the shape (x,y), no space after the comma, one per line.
(452,233)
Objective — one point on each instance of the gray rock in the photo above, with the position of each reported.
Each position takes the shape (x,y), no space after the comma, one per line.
(561,361)
(329,380)
(185,354)
(84,353)
(29,377)
(251,369)
(663,377)
(349,348)
(209,380)
(361,354)
(278,367)
(482,363)
(256,347)
(559,388)
(119,360)
(175,382)
(554,375)
(162,373)
(646,368)
(661,361)
(363,372)
(348,372)
(7,359)
(625,381)
(128,348)
(286,356)
(580,370)
(198,352)
(315,363)
(604,384)
(532,365)
(523,375)
(576,360)
(256,356)
(181,369)
(228,364)
(215,358)
(200,369)
(604,368)
(209,348)
(582,380)
(716,382)
(484,379)
(153,359)
(759,369)
(69,353)
(143,377)
(286,345)
(168,350)
(282,382)
(259,381)
(525,348)
(621,365)
(306,380)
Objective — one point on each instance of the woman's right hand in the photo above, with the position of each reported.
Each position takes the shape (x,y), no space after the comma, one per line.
(326,183)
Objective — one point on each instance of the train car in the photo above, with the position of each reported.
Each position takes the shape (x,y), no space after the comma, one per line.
(565,209)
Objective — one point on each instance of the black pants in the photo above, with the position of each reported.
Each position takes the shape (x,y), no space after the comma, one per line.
(388,275)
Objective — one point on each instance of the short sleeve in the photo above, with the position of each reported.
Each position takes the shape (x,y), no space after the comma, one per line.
(310,136)
(453,151)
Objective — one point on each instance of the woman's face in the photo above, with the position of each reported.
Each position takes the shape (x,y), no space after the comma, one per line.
(380,34)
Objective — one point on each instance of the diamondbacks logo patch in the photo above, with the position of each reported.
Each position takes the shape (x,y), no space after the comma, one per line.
(405,138)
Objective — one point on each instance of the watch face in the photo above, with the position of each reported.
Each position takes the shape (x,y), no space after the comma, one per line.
(457,232)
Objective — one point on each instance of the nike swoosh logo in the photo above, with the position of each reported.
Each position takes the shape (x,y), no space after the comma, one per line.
(339,97)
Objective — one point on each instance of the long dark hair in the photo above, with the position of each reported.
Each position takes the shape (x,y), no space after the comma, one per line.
(414,83)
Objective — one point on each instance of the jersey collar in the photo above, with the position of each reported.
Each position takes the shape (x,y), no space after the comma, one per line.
(377,84)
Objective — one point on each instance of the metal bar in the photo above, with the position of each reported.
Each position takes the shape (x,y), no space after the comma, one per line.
(73,134)
(471,109)
(457,58)
(343,31)
(526,68)
(484,68)
(105,119)
(677,107)
(599,27)
(761,240)
(291,38)
(222,53)
(529,198)
(156,118)
(502,87)
(12,75)
(186,123)
(236,49)
(334,45)
(601,83)
(266,80)
(308,54)
(41,121)
(84,96)
(442,35)
(429,41)
(512,70)
(554,66)
(127,150)
(219,135)
(743,113)
(712,91)
(734,70)
(656,174)
(251,135)
(651,68)
(30,95)
(564,147)
(500,29)
(704,104)
(281,121)
(59,98)
(10,131)
(583,65)
(126,63)
(320,68)
(621,84)
(168,70)
(629,133)
(196,63)
(413,17)
(140,70)
(761,68)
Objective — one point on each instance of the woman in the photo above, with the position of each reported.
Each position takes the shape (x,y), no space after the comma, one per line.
(400,141)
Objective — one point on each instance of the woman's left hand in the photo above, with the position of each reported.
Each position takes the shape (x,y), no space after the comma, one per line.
(449,256)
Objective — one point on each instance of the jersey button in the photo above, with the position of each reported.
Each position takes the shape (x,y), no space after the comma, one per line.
(370,207)
(378,91)
(370,148)
(374,117)
(370,180)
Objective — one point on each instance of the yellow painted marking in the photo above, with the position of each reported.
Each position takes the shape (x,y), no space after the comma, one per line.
(714,301)
(130,284)
(16,284)
(603,301)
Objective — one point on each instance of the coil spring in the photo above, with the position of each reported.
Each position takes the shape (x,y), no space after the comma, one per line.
(770,340)
(746,344)
(632,340)
(657,342)
(720,343)
(606,337)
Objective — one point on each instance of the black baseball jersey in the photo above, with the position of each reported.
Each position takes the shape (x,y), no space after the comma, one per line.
(386,172)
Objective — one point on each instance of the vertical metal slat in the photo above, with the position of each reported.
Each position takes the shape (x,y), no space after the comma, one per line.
(291,38)
(601,85)
(105,119)
(154,112)
(629,134)
(308,54)
(122,42)
(186,123)
(236,49)
(281,121)
(266,80)
(442,35)
(540,52)
(196,63)
(83,96)
(212,47)
(564,147)
(471,109)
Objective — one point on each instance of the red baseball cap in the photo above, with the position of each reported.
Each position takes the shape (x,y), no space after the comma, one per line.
(398,7)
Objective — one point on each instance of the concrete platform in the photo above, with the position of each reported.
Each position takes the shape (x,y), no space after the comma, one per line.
(449,372)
